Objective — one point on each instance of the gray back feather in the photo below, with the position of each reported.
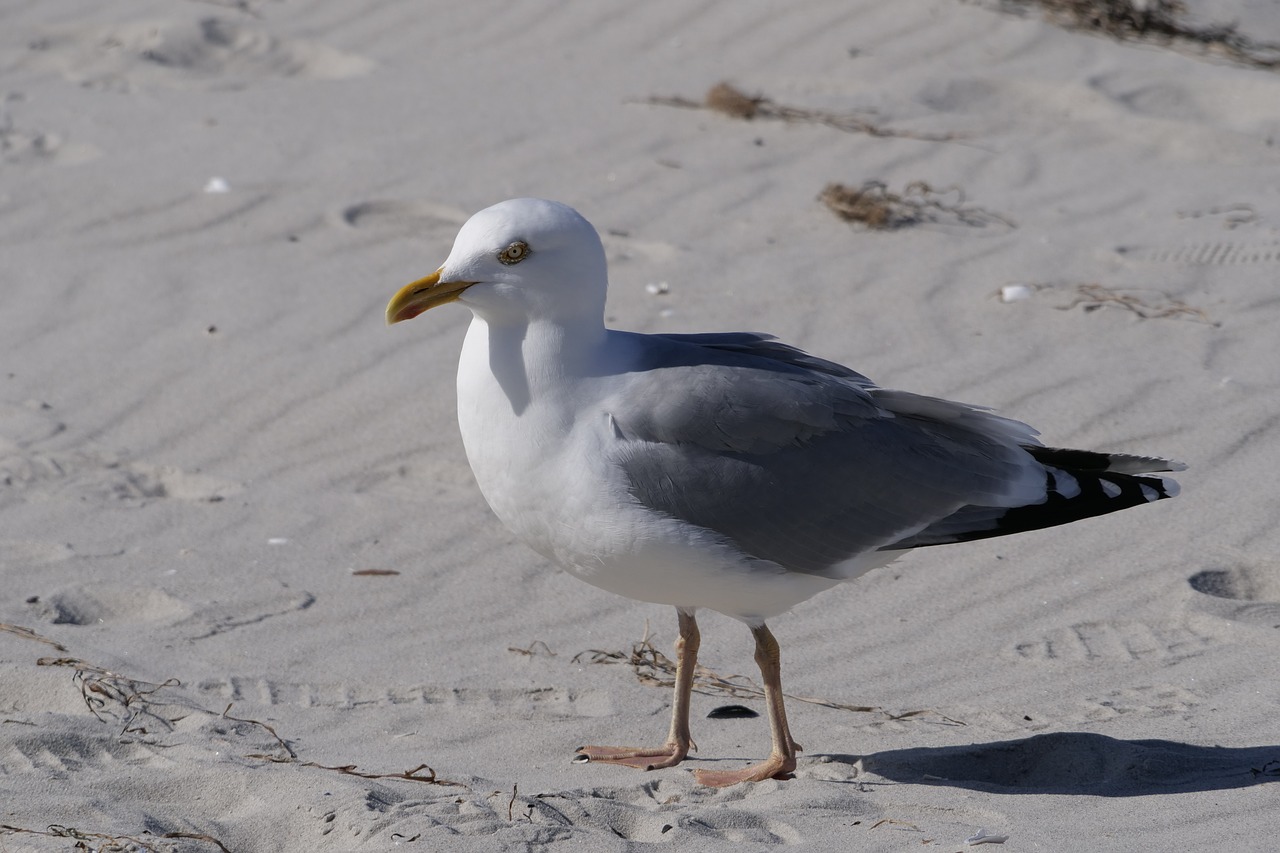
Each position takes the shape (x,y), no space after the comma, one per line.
(801,461)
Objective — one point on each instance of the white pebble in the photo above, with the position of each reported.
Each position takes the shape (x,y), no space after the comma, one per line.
(217,185)
(277,540)
(1016,292)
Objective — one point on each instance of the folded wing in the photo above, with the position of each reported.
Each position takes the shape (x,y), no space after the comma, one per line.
(824,466)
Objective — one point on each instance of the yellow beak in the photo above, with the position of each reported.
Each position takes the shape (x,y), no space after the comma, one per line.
(423,295)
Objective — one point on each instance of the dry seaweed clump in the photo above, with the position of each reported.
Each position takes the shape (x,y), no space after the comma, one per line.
(1119,18)
(1148,305)
(874,206)
(1159,21)
(726,99)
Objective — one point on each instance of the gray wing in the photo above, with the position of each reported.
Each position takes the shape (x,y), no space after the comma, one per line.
(800,461)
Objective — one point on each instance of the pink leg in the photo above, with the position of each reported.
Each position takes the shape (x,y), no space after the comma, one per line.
(679,741)
(782,758)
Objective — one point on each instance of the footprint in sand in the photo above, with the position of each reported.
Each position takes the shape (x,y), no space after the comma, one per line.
(356,694)
(93,605)
(1215,253)
(24,424)
(211,53)
(29,472)
(104,479)
(79,747)
(1249,594)
(656,812)
(1115,641)
(33,552)
(21,145)
(397,218)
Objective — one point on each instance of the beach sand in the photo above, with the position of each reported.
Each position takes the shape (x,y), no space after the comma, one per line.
(253,600)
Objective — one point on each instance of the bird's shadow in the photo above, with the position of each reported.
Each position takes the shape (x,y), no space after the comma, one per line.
(1079,763)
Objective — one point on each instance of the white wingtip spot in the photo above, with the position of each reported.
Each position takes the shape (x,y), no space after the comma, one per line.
(1171,487)
(1150,494)
(1112,490)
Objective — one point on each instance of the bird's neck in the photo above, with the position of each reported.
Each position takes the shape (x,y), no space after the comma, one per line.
(527,357)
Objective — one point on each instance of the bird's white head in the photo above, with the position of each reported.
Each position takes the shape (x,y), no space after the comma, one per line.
(519,261)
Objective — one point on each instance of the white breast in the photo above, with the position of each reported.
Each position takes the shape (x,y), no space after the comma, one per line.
(541,455)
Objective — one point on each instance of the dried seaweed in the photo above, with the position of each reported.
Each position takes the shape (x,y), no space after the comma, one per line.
(533,649)
(1147,304)
(287,755)
(874,206)
(729,101)
(1155,21)
(226,715)
(106,842)
(109,695)
(28,634)
(414,775)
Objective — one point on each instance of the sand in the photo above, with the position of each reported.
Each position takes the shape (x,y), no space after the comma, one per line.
(253,600)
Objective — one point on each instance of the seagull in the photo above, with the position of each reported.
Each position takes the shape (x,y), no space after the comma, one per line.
(725,471)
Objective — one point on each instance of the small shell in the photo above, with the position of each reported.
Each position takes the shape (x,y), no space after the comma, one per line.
(984,837)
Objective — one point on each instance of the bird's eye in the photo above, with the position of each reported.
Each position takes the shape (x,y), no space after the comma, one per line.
(514,254)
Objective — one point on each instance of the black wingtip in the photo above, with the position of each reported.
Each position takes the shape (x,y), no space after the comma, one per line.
(1079,484)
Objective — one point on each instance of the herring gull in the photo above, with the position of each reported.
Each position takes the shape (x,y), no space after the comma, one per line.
(722,471)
